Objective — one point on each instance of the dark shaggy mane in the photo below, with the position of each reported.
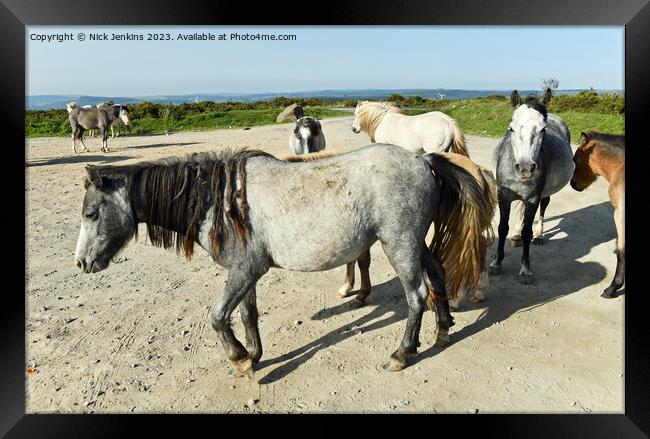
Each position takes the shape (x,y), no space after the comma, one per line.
(616,140)
(533,102)
(175,194)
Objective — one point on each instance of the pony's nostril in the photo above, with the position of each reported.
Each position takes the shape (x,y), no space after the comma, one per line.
(532,168)
(78,263)
(517,167)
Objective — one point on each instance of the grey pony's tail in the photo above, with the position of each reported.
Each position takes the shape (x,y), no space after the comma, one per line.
(458,224)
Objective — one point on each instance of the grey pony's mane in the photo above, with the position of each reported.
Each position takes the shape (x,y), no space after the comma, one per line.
(175,193)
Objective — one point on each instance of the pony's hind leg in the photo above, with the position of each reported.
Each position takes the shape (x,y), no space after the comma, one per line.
(364,268)
(408,268)
(538,225)
(346,289)
(444,320)
(348,283)
(484,278)
(239,283)
(525,274)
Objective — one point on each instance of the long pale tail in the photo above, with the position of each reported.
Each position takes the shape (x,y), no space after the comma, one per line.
(458,142)
(460,223)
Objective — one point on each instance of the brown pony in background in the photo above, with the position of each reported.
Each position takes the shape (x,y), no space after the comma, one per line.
(604,154)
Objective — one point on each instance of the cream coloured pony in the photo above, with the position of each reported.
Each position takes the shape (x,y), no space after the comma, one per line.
(424,133)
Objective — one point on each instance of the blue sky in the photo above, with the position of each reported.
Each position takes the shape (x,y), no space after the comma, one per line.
(480,58)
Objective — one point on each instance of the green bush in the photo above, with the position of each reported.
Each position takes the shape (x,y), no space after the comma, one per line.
(589,102)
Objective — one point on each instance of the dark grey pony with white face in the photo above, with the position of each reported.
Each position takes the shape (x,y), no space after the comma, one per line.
(82,119)
(251,211)
(307,135)
(533,161)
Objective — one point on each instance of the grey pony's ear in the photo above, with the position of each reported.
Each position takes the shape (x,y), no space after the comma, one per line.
(93,177)
(298,112)
(547,96)
(515,99)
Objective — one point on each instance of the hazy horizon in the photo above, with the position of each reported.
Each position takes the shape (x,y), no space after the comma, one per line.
(324,58)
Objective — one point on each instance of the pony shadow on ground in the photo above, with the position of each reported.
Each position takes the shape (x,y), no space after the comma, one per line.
(391,302)
(162,145)
(555,266)
(80,158)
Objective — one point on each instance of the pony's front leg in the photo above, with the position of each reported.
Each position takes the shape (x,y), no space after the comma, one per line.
(348,283)
(74,145)
(240,281)
(619,276)
(504,217)
(81,139)
(538,225)
(105,139)
(515,238)
(525,274)
(250,316)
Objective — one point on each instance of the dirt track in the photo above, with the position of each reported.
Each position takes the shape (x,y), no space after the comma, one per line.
(137,337)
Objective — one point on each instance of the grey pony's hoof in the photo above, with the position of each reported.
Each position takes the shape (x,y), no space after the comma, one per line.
(234,373)
(526,279)
(515,241)
(245,368)
(495,270)
(538,241)
(394,365)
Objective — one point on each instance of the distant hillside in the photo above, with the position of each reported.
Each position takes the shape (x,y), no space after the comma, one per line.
(46,102)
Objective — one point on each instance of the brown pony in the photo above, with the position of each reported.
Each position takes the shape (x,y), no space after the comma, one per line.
(469,269)
(604,154)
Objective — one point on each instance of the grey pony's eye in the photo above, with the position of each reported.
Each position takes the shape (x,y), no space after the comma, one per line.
(92,216)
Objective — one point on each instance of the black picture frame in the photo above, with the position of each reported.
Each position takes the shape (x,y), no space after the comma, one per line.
(16,14)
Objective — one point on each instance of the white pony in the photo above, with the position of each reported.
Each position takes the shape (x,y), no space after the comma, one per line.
(424,133)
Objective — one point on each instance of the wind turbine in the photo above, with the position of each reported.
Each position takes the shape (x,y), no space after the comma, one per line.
(441,95)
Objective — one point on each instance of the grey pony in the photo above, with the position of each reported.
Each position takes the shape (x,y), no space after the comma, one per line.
(82,119)
(542,165)
(379,192)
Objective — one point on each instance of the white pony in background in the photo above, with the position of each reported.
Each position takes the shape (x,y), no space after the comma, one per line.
(421,134)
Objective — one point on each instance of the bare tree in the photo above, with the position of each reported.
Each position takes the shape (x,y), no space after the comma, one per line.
(552,83)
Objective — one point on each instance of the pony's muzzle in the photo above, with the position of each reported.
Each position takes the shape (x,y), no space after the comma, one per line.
(86,267)
(525,171)
(81,264)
